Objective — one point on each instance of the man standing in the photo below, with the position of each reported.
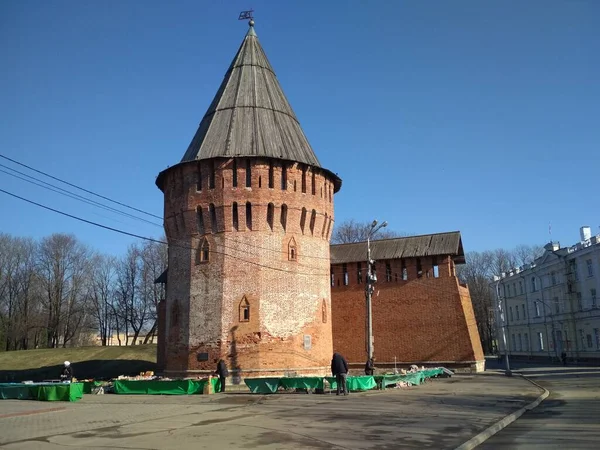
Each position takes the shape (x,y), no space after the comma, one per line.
(339,368)
(67,372)
(222,372)
(370,366)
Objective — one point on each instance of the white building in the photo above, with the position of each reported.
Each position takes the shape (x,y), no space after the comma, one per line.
(552,306)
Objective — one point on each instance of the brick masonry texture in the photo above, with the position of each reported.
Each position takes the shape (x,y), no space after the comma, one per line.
(250,266)
(424,320)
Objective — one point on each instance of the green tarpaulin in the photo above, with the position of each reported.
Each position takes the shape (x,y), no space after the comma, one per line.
(89,385)
(171,387)
(301,382)
(430,373)
(44,392)
(363,383)
(262,385)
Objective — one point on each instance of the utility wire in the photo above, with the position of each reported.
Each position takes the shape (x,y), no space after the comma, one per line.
(116,230)
(79,187)
(65,192)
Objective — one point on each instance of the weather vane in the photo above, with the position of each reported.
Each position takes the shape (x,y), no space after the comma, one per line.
(247,15)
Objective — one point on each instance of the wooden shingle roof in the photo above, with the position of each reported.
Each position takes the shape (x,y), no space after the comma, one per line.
(250,115)
(440,244)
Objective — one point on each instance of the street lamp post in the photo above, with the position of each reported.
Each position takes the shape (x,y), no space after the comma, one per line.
(501,310)
(371,280)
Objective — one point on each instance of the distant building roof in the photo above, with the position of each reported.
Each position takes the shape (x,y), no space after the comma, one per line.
(439,244)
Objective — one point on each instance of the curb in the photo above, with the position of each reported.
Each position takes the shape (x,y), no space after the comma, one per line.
(506,421)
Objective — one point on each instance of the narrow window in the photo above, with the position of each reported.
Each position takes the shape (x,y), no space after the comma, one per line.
(540,341)
(329,193)
(283,219)
(328,228)
(203,252)
(517,311)
(259,182)
(556,305)
(313,218)
(590,267)
(314,182)
(594,301)
(404,271)
(324,312)
(523,308)
(244,310)
(199,178)
(211,180)
(359,275)
(553,278)
(332,277)
(520,286)
(579,302)
(234,173)
(213,218)
(537,308)
(271,176)
(292,252)
(249,216)
(270,215)
(321,191)
(294,185)
(200,220)
(388,272)
(510,310)
(419,268)
(283,177)
(303,219)
(304,180)
(234,214)
(526,342)
(533,287)
(248,174)
(324,225)
(345,271)
(436,268)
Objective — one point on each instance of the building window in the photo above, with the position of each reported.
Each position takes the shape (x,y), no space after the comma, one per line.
(526,342)
(582,338)
(508,290)
(248,174)
(314,182)
(388,272)
(303,220)
(597,336)
(259,182)
(540,341)
(579,302)
(324,225)
(213,218)
(589,341)
(515,289)
(328,228)
(332,277)
(324,311)
(520,286)
(248,215)
(524,315)
(294,185)
(514,342)
(556,305)
(313,218)
(590,267)
(234,173)
(533,285)
(436,268)
(419,268)
(283,219)
(574,270)
(593,294)
(537,308)
(345,272)
(517,311)
(520,342)
(270,215)
(304,180)
(244,310)
(553,278)
(510,313)
(404,270)
(283,177)
(271,176)
(199,178)
(292,251)
(234,214)
(211,179)
(199,220)
(203,252)
(359,276)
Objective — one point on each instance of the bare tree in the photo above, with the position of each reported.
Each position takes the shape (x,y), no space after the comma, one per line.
(526,254)
(154,260)
(101,294)
(351,231)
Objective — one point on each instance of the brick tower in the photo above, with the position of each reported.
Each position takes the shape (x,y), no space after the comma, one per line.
(248,217)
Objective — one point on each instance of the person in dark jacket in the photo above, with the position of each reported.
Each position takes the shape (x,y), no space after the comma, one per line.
(339,368)
(222,372)
(67,373)
(370,366)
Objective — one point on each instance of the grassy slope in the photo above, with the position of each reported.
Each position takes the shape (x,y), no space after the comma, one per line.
(88,362)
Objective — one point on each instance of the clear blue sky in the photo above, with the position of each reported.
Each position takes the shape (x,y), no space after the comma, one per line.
(478,116)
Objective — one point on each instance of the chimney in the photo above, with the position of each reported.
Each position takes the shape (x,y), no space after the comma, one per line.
(585,232)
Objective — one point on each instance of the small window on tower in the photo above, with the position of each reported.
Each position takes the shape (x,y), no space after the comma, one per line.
(292,250)
(249,215)
(235,217)
(303,219)
(244,310)
(234,173)
(199,179)
(213,218)
(200,220)
(270,215)
(304,180)
(203,252)
(313,218)
(248,174)
(211,180)
(271,176)
(283,177)
(314,183)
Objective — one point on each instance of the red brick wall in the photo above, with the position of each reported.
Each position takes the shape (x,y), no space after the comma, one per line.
(423,319)
(286,297)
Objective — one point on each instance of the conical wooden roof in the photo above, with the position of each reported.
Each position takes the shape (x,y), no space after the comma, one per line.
(250,115)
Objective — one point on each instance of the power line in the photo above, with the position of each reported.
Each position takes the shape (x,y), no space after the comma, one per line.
(65,192)
(79,187)
(127,233)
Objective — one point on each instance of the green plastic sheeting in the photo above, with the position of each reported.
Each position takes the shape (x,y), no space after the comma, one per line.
(171,387)
(89,385)
(363,383)
(262,385)
(430,373)
(301,382)
(43,392)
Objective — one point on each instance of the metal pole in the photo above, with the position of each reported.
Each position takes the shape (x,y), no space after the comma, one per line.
(507,372)
(369,293)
